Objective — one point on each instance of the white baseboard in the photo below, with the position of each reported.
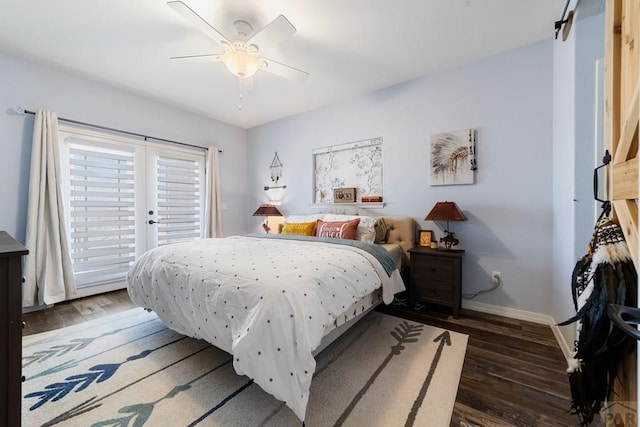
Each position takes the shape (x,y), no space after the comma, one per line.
(514,313)
(567,350)
(529,316)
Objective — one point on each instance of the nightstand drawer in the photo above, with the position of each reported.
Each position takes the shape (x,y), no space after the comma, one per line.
(435,270)
(435,291)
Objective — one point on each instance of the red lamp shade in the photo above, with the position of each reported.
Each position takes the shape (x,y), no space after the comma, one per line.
(267,211)
(445,211)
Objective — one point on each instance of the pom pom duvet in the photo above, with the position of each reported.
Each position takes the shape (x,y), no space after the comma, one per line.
(268,300)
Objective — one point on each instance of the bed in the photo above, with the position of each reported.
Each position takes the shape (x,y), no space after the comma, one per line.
(272,301)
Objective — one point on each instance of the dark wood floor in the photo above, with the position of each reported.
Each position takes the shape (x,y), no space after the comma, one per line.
(76,311)
(513,373)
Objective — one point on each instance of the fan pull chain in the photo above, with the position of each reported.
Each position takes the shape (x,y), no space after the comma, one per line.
(241,104)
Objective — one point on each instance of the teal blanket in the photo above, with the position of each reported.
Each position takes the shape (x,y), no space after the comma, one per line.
(378,252)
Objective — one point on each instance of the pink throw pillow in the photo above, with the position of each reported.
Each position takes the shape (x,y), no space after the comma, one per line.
(337,229)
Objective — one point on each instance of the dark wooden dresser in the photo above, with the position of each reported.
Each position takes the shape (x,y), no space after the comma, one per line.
(436,277)
(11,253)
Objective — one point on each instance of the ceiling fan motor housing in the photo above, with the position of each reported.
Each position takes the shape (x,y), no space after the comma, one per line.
(243,29)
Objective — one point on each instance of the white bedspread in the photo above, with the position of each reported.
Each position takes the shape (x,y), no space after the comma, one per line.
(265,301)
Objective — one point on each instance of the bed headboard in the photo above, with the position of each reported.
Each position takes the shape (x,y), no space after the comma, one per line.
(403,231)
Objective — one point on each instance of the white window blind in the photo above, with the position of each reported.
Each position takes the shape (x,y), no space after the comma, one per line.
(180,191)
(102,214)
(124,197)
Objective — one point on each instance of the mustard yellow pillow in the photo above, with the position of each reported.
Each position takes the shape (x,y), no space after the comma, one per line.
(303,228)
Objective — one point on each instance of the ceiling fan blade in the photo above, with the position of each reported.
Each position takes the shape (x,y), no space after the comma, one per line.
(273,33)
(200,58)
(187,13)
(282,70)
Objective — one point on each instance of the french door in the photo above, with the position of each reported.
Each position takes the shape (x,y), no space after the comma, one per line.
(124,197)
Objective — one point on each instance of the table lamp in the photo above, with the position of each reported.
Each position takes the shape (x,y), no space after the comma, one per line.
(446,211)
(266,211)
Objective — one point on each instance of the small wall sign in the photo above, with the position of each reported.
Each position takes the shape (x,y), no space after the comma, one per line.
(344,195)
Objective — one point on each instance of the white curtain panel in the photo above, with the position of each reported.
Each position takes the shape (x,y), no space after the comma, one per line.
(48,272)
(213,226)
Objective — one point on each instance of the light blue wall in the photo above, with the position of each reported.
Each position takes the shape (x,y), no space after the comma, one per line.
(589,40)
(574,155)
(508,99)
(35,86)
(563,235)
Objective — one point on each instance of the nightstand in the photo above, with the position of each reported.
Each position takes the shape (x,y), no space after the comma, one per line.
(436,277)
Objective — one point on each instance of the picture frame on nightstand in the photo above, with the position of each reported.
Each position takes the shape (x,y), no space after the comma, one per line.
(426,237)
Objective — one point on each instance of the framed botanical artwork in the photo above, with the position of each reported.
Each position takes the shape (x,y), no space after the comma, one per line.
(426,237)
(353,165)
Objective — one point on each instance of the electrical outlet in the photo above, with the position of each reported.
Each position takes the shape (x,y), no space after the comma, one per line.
(496,277)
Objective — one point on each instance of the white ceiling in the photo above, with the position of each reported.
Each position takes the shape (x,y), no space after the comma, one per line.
(349,47)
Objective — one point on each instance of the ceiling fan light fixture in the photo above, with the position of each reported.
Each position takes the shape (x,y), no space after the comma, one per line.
(242,55)
(241,64)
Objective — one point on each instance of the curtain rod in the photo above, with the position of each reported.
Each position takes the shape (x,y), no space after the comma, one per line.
(146,137)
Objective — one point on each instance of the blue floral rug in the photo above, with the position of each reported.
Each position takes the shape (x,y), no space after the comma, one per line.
(129,369)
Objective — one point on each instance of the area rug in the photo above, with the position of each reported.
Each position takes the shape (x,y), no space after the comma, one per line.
(129,369)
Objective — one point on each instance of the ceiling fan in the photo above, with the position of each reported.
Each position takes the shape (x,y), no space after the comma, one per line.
(242,52)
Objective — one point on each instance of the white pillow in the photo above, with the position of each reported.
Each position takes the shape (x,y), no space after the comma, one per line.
(366,231)
(293,219)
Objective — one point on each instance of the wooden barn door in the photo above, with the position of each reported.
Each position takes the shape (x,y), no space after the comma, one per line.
(622,84)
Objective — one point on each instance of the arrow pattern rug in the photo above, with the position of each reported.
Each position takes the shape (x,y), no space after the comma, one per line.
(129,369)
